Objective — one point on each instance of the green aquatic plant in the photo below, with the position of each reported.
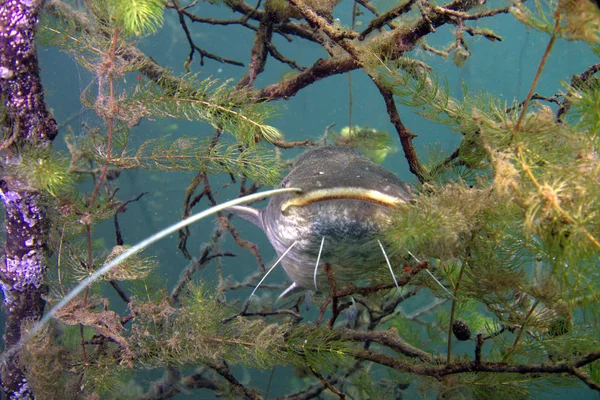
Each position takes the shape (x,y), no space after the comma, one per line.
(140,17)
(44,170)
(374,144)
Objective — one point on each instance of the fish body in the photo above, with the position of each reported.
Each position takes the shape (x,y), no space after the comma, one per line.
(347,200)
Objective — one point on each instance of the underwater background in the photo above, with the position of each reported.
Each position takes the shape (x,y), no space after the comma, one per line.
(504,69)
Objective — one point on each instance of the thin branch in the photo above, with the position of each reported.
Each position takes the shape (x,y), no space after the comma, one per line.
(258,57)
(538,73)
(322,68)
(387,338)
(367,4)
(290,145)
(193,47)
(280,57)
(123,208)
(461,15)
(211,21)
(405,135)
(243,243)
(194,266)
(383,19)
(223,370)
(440,371)
(585,379)
(581,78)
(327,384)
(521,330)
(188,203)
(244,313)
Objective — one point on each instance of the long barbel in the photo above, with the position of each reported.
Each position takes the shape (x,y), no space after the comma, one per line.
(131,251)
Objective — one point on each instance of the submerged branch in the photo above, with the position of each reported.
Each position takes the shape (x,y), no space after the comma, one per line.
(387,338)
(440,371)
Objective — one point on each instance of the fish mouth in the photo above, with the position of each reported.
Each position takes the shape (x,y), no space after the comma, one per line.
(343,193)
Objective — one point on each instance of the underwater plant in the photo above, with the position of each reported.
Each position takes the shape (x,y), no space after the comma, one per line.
(480,280)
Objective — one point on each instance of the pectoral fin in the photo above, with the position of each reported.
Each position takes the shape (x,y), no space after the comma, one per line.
(249,214)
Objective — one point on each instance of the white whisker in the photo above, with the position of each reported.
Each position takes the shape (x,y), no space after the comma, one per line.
(128,253)
(438,282)
(273,267)
(317,264)
(430,274)
(388,263)
(413,256)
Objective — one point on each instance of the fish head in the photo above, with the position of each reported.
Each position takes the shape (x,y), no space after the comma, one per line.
(347,200)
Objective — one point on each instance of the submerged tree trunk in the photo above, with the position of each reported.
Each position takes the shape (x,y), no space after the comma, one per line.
(27,123)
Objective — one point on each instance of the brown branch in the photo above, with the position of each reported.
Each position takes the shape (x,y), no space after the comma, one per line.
(316,20)
(188,203)
(311,391)
(248,282)
(538,73)
(589,72)
(387,338)
(585,378)
(322,68)
(367,4)
(122,209)
(408,38)
(335,311)
(223,370)
(389,308)
(244,313)
(193,47)
(171,384)
(521,330)
(575,81)
(280,57)
(350,289)
(243,243)
(258,57)
(440,371)
(326,384)
(341,38)
(492,37)
(194,266)
(290,145)
(319,70)
(554,99)
(478,346)
(461,15)
(383,19)
(454,302)
(405,135)
(211,21)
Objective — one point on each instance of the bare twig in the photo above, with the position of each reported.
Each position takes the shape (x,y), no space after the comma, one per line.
(258,57)
(387,338)
(585,379)
(194,266)
(223,370)
(575,80)
(405,135)
(193,47)
(327,384)
(383,19)
(244,313)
